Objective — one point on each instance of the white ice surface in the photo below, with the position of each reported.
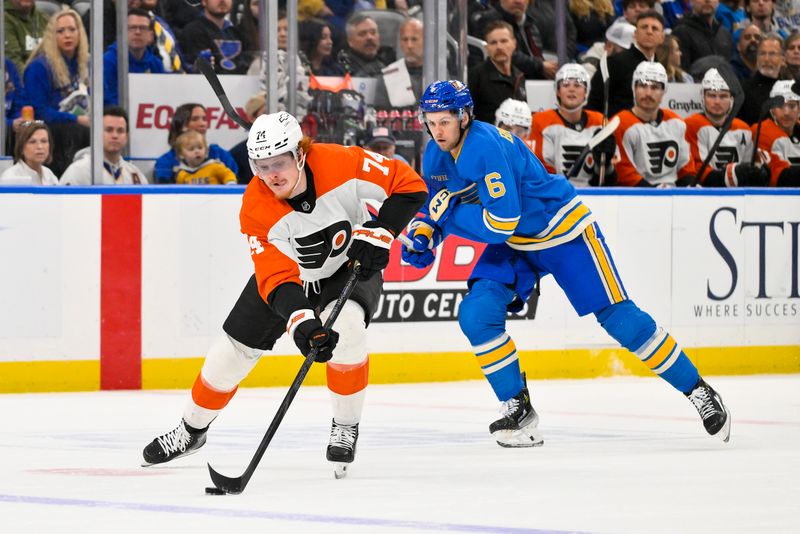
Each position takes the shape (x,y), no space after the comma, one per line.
(620,455)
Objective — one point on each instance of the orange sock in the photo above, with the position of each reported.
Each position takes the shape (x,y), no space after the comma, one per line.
(346,379)
(209,398)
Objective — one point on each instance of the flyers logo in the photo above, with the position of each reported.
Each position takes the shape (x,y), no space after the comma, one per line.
(569,153)
(725,155)
(314,249)
(662,154)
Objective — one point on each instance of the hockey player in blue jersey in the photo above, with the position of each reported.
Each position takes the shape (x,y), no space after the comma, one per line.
(486,185)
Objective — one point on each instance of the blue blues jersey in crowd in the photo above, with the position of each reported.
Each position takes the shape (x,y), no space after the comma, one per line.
(506,193)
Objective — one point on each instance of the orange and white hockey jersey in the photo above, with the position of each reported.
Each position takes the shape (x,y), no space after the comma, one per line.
(735,147)
(309,245)
(777,149)
(656,151)
(558,144)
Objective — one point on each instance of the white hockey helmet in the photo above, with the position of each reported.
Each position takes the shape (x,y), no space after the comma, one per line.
(784,88)
(573,71)
(713,81)
(273,135)
(648,72)
(513,113)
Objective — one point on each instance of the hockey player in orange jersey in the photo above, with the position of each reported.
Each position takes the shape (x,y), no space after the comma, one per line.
(778,143)
(730,165)
(306,221)
(653,151)
(558,135)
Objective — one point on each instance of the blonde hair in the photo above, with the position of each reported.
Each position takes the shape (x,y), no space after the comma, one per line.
(49,49)
(187,137)
(582,8)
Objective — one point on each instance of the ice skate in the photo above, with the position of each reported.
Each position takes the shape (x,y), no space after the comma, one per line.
(182,441)
(342,447)
(716,417)
(517,427)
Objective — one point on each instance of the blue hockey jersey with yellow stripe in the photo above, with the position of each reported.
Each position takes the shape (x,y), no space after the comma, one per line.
(506,194)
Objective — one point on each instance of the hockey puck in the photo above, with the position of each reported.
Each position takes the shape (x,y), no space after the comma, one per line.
(215,491)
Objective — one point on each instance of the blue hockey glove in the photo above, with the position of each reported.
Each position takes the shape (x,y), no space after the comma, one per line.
(442,205)
(420,260)
(424,234)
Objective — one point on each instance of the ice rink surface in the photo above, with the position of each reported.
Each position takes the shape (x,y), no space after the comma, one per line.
(620,455)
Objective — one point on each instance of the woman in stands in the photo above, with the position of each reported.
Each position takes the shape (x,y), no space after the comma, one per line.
(188,117)
(32,150)
(669,55)
(316,42)
(56,78)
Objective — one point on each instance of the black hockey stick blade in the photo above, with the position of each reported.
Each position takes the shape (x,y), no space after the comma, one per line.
(598,138)
(236,485)
(202,65)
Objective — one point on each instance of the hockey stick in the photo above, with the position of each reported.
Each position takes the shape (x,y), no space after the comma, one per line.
(766,107)
(236,485)
(606,85)
(202,65)
(598,138)
(738,99)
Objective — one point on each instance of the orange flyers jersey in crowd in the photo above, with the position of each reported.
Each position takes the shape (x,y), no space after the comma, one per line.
(294,246)
(736,146)
(776,149)
(656,151)
(557,145)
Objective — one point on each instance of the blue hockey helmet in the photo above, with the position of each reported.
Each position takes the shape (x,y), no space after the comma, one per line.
(444,95)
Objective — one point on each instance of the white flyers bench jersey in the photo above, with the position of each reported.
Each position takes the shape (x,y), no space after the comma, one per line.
(656,151)
(289,245)
(776,149)
(736,146)
(558,144)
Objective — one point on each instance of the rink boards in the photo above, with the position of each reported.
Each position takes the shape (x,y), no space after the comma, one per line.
(126,287)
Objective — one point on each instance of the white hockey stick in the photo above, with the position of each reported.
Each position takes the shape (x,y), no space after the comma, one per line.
(598,138)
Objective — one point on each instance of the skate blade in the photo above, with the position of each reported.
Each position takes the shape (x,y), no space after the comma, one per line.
(725,432)
(519,438)
(339,470)
(184,455)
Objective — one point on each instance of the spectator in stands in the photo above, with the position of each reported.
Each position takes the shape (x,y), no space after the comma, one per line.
(762,14)
(196,168)
(791,50)
(32,149)
(316,9)
(165,43)
(496,79)
(116,171)
(412,41)
(215,38)
(316,43)
(340,12)
(672,11)
(779,139)
(543,14)
(769,62)
(668,54)
(631,9)
(187,117)
(140,58)
(619,37)
(248,26)
(744,58)
(648,36)
(254,107)
(528,56)
(732,15)
(259,68)
(179,13)
(591,19)
(700,35)
(364,55)
(651,140)
(109,20)
(16,98)
(23,31)
(381,141)
(56,79)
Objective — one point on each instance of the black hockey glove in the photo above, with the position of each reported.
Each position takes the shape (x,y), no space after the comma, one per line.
(370,248)
(749,175)
(789,177)
(607,146)
(686,181)
(309,333)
